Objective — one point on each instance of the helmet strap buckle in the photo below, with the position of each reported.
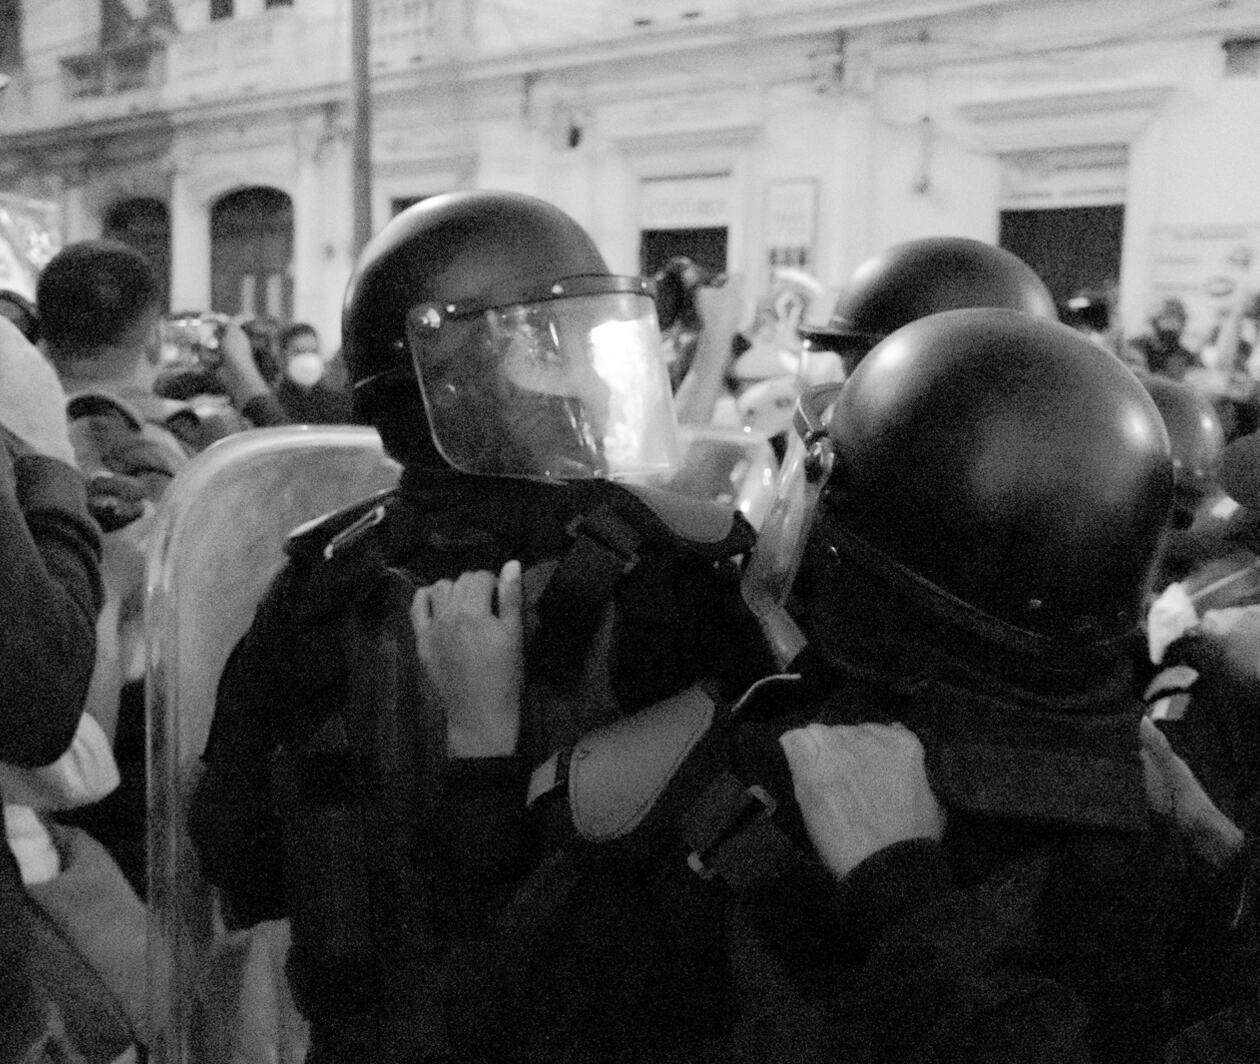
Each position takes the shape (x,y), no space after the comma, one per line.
(426,316)
(820,459)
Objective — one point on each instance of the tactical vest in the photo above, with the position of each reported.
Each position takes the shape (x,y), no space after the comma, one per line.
(359,780)
(687,848)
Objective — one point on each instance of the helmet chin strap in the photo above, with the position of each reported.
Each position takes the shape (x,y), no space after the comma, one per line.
(380,387)
(1092,646)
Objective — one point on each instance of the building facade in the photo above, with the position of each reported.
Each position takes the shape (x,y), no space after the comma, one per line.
(1106,141)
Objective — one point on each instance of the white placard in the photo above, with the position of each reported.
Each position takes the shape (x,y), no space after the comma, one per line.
(701,202)
(791,219)
(1213,269)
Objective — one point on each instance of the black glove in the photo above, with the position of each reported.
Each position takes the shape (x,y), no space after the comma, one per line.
(115,500)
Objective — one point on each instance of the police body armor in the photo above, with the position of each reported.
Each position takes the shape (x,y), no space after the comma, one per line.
(631,598)
(519,383)
(1011,691)
(688,855)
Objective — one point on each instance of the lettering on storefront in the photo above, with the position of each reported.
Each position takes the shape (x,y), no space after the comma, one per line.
(707,112)
(394,145)
(791,210)
(695,202)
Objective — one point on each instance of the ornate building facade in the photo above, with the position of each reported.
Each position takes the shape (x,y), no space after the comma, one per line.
(1110,142)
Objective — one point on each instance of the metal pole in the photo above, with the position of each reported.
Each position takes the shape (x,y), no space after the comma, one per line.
(361,99)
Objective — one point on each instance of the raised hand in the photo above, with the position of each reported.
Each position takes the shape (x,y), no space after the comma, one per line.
(469,638)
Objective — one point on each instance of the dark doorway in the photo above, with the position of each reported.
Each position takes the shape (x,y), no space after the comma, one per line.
(10,36)
(251,251)
(707,247)
(143,224)
(1072,249)
(400,203)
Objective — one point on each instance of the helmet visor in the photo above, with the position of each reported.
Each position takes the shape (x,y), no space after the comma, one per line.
(781,541)
(567,386)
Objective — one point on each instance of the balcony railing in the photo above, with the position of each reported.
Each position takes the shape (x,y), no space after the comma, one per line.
(238,57)
(124,68)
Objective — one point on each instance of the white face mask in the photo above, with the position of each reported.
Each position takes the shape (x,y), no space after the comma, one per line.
(305,369)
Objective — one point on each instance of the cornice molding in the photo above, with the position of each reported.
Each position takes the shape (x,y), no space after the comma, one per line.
(1050,120)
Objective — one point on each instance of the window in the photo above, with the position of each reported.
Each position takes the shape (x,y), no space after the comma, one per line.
(85,75)
(251,253)
(10,35)
(131,70)
(400,203)
(144,224)
(221,9)
(1070,248)
(1242,57)
(705,246)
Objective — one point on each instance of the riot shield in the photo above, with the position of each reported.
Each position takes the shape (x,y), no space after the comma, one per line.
(729,465)
(219,541)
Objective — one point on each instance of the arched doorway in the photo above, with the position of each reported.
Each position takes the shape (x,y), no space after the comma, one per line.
(251,251)
(144,224)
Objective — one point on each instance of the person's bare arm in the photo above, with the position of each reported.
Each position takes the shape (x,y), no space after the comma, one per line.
(699,391)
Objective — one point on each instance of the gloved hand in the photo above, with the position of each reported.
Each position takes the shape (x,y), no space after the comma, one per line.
(115,500)
(1235,630)
(473,649)
(860,788)
(1173,790)
(32,401)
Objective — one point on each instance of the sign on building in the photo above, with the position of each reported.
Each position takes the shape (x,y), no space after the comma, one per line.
(30,234)
(1213,269)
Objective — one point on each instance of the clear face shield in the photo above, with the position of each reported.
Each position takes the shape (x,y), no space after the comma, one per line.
(806,466)
(565,383)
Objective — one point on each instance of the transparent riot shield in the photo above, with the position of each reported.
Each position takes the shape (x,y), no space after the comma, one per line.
(218,543)
(730,465)
(785,526)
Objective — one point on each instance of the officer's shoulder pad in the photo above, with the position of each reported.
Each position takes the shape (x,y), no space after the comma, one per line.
(707,526)
(340,531)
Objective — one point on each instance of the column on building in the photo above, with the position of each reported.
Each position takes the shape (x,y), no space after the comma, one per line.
(190,238)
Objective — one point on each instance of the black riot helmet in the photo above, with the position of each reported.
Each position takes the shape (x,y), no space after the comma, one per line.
(921,277)
(1001,477)
(530,357)
(1089,311)
(1197,438)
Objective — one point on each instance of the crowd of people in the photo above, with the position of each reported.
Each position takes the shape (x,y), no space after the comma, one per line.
(951,759)
(97,381)
(1219,367)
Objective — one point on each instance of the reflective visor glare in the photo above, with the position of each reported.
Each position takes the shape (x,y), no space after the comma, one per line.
(782,538)
(561,389)
(781,542)
(640,436)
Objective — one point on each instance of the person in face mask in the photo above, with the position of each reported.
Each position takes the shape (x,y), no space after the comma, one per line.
(303,393)
(1161,348)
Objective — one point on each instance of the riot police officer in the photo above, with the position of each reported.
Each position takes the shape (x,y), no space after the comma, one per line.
(1200,510)
(926,276)
(901,284)
(1014,562)
(521,386)
(946,835)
